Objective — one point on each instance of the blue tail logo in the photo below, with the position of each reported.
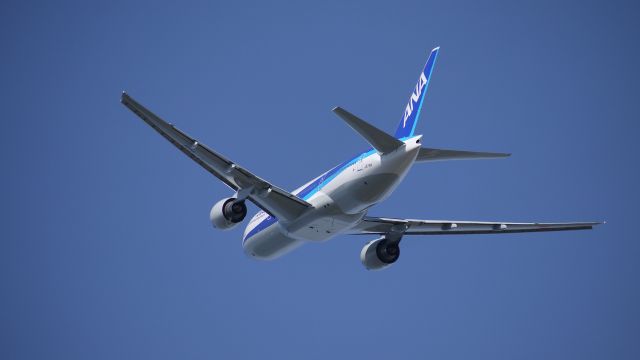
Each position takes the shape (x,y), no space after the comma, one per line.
(415,96)
(409,121)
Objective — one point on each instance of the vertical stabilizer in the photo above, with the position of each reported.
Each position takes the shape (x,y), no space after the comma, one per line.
(412,112)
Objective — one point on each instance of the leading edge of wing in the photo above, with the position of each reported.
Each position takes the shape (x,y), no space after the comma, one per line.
(272,199)
(373,225)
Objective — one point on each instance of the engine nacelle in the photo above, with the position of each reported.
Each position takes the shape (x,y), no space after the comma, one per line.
(227,213)
(379,254)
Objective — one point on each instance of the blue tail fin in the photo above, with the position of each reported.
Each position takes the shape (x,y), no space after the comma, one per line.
(412,112)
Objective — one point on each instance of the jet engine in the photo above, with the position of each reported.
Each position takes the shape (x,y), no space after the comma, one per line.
(379,254)
(227,213)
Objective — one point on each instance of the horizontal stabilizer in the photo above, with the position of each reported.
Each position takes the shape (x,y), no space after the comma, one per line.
(428,154)
(380,140)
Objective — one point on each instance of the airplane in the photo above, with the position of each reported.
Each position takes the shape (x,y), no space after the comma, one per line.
(337,201)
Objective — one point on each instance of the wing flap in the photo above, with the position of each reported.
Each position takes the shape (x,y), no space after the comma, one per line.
(178,138)
(268,197)
(373,225)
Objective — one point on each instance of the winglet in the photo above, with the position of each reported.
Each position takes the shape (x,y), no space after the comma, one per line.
(380,140)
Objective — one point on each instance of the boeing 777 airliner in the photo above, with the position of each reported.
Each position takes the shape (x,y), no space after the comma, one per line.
(337,201)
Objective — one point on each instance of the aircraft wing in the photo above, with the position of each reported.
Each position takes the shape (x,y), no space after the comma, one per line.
(272,199)
(374,225)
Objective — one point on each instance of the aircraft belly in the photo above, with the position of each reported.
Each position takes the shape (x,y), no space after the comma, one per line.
(324,225)
(370,181)
(270,243)
(358,194)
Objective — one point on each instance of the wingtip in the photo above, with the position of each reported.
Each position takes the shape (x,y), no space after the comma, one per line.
(339,110)
(503,155)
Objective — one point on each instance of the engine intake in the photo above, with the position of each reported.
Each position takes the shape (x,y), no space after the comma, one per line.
(227,213)
(379,254)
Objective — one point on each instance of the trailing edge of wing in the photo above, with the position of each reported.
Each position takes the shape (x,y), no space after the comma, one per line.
(268,197)
(373,225)
(429,154)
(380,140)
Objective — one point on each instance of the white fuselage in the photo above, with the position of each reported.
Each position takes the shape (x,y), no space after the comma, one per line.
(340,198)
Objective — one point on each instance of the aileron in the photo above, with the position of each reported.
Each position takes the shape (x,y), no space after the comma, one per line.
(272,199)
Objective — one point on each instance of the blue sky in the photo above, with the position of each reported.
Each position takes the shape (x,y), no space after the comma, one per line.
(107,250)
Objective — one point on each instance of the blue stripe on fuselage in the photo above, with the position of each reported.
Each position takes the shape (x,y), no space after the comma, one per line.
(261,226)
(312,188)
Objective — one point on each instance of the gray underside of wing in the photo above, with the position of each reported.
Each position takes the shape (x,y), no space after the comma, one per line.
(430,154)
(272,199)
(373,225)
